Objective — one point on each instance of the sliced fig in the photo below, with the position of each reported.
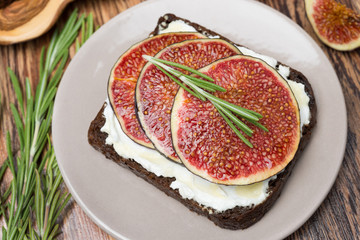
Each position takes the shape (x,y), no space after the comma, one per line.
(155,92)
(208,147)
(335,24)
(123,77)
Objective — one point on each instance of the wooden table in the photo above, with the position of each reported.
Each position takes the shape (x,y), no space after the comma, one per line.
(337,218)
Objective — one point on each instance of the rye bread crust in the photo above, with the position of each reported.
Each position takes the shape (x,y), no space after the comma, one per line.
(235,218)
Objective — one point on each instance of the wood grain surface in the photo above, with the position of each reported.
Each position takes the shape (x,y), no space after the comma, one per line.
(338,216)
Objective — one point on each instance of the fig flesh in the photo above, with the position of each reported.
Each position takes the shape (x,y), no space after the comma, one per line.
(155,92)
(123,77)
(335,24)
(209,148)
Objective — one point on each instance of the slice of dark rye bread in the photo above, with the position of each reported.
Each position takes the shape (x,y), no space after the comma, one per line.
(237,217)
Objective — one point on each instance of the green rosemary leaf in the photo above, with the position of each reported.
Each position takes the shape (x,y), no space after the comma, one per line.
(12,207)
(2,170)
(4,233)
(35,236)
(236,109)
(17,89)
(23,229)
(13,233)
(43,133)
(29,177)
(28,89)
(56,184)
(10,155)
(49,168)
(199,86)
(20,180)
(26,212)
(48,55)
(206,83)
(51,216)
(48,99)
(82,32)
(18,124)
(2,207)
(17,215)
(90,26)
(259,125)
(57,59)
(171,70)
(54,81)
(183,67)
(54,53)
(253,113)
(32,186)
(52,206)
(41,65)
(27,138)
(6,194)
(69,23)
(247,142)
(235,120)
(232,107)
(40,195)
(71,35)
(62,201)
(187,79)
(50,152)
(54,231)
(201,97)
(77,45)
(56,200)
(40,146)
(37,200)
(165,68)
(178,82)
(61,207)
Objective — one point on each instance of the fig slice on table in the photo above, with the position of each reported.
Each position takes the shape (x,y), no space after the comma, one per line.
(208,147)
(155,92)
(335,24)
(123,77)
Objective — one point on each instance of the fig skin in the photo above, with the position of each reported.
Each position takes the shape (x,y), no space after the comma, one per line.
(124,82)
(156,123)
(342,18)
(230,161)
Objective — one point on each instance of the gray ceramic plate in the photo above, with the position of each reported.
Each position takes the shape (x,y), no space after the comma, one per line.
(126,206)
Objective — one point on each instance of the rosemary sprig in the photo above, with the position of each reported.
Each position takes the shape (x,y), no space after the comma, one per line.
(198,87)
(36,197)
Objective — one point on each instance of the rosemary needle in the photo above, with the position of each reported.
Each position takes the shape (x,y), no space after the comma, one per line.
(36,197)
(199,86)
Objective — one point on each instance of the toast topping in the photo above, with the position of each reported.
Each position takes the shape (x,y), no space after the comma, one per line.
(155,92)
(123,79)
(190,186)
(207,146)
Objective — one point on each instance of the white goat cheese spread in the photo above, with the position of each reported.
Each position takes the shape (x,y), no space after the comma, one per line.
(190,186)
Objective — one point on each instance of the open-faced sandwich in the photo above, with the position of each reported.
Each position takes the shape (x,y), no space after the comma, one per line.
(223,139)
